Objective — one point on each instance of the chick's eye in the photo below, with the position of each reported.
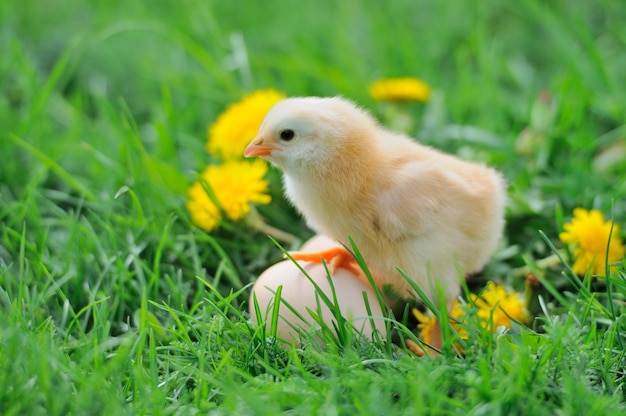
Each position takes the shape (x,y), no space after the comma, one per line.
(287,135)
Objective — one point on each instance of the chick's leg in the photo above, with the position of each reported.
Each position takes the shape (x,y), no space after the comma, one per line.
(336,257)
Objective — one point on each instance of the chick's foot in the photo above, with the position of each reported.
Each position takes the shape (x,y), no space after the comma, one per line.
(335,257)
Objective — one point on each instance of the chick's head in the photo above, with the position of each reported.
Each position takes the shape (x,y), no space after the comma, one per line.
(309,132)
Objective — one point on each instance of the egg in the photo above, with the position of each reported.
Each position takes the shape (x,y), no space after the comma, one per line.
(300,294)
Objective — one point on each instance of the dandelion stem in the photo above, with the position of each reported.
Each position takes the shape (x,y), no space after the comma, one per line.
(254,220)
(551,260)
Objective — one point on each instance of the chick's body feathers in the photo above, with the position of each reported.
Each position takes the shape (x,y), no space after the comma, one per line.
(405,205)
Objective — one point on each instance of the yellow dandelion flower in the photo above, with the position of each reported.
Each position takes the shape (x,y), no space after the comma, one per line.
(457,311)
(496,307)
(589,234)
(428,326)
(239,124)
(457,315)
(235,185)
(400,89)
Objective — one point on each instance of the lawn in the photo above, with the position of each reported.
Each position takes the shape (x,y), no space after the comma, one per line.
(114,302)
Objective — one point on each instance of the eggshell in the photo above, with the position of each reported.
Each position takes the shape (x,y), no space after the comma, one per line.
(319,243)
(300,294)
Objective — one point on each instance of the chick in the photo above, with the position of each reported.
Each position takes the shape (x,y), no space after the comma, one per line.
(405,205)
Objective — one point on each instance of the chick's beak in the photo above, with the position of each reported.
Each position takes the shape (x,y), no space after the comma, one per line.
(257,147)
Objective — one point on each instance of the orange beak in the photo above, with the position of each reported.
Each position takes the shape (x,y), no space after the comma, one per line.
(257,148)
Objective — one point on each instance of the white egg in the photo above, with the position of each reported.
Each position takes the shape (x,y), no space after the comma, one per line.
(300,294)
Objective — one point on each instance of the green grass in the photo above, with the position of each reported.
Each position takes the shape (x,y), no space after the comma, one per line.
(112,302)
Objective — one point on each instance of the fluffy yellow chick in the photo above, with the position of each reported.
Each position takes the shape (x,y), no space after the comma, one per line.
(405,205)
